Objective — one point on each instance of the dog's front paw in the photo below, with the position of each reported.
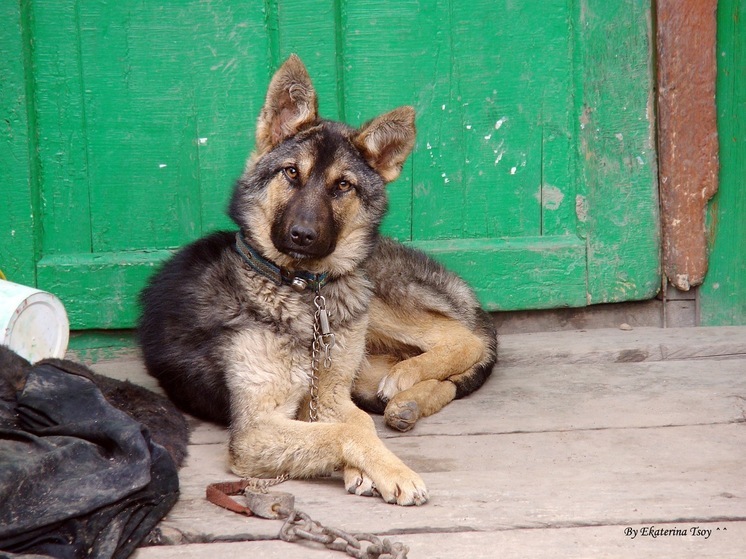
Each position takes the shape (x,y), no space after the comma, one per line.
(406,489)
(358,483)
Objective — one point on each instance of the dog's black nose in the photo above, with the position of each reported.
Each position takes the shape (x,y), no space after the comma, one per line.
(302,236)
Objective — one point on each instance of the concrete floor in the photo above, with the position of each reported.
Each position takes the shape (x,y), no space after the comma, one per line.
(582,444)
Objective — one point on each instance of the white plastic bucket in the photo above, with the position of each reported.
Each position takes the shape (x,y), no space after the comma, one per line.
(33,323)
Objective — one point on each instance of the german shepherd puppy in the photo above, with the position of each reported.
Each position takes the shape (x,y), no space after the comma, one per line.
(232,323)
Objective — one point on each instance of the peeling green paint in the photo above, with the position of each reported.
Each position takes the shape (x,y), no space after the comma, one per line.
(723,294)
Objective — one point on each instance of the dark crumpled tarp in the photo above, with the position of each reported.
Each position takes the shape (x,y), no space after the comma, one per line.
(78,477)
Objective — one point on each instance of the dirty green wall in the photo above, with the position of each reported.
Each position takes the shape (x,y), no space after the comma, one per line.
(723,294)
(17,242)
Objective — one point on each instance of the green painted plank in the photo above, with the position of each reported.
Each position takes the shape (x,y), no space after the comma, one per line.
(91,346)
(513,66)
(231,62)
(528,272)
(386,60)
(559,188)
(141,123)
(479,160)
(60,127)
(723,293)
(618,192)
(473,113)
(17,240)
(99,290)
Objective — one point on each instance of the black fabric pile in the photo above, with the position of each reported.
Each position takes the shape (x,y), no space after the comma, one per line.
(78,477)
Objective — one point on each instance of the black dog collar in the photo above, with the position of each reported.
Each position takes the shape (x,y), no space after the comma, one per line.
(299,281)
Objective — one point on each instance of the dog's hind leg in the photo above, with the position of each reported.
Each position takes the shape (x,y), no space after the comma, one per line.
(449,349)
(402,411)
(368,379)
(439,359)
(423,399)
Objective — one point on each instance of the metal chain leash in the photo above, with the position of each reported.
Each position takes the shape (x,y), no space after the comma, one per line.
(298,525)
(323,339)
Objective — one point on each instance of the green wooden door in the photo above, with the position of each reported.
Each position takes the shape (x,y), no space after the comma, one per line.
(534,173)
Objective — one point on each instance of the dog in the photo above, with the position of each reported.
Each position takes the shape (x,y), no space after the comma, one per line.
(275,329)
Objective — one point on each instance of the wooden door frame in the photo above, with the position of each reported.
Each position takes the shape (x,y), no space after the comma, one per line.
(688,157)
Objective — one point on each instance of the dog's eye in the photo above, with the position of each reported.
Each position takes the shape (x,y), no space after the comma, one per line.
(344,186)
(291,172)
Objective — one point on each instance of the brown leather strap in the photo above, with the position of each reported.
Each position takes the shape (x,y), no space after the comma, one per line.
(218,494)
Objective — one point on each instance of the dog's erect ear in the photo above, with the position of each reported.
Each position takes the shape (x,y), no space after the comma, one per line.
(387,140)
(290,105)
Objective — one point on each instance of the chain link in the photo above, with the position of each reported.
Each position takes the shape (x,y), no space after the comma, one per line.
(323,339)
(262,485)
(313,406)
(299,526)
